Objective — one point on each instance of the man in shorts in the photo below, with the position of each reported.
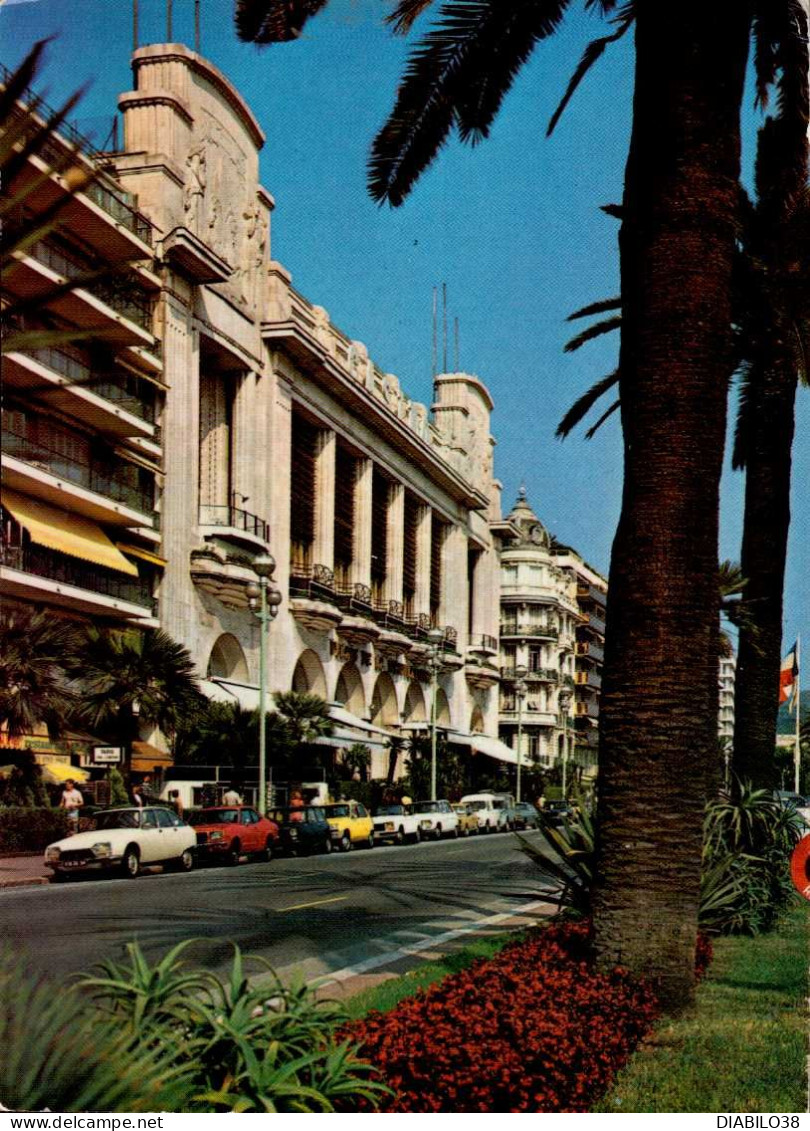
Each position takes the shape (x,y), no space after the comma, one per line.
(71,801)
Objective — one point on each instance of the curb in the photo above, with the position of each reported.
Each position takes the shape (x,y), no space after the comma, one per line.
(33,881)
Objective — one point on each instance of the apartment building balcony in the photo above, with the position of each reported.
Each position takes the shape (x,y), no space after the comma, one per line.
(226,580)
(110,402)
(588,679)
(39,574)
(586,709)
(530,717)
(313,599)
(591,650)
(97,489)
(234,524)
(482,643)
(118,306)
(589,593)
(395,637)
(523,631)
(595,623)
(534,675)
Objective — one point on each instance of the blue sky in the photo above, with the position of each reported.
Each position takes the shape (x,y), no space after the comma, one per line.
(513,227)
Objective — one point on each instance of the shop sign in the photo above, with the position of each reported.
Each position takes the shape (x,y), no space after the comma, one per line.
(104,755)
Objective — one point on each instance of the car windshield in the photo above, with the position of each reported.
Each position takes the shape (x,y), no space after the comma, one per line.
(390,811)
(119,819)
(427,807)
(212,817)
(337,810)
(475,806)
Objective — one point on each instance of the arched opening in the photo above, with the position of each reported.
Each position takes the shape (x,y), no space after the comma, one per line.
(415,710)
(349,690)
(309,675)
(384,710)
(442,708)
(477,721)
(227,660)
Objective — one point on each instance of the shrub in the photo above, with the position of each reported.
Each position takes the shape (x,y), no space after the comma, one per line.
(534,1029)
(31,830)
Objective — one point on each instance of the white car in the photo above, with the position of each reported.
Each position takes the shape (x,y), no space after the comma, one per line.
(396,823)
(491,810)
(124,840)
(436,819)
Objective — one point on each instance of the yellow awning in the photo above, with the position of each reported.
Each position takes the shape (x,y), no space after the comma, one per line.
(58,772)
(144,555)
(68,533)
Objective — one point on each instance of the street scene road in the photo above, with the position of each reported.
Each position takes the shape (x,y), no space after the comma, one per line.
(318,914)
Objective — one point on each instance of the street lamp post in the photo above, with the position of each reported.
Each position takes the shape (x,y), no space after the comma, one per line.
(565,701)
(521,671)
(269,599)
(435,639)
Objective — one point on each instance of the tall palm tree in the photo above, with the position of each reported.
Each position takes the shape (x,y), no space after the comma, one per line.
(129,676)
(37,651)
(679,223)
(305,715)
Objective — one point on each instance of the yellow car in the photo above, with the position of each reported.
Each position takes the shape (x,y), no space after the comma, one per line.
(467,820)
(350,824)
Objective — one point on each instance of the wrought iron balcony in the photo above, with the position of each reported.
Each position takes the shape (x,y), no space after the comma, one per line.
(544,631)
(315,582)
(95,475)
(42,562)
(355,598)
(121,294)
(226,515)
(391,616)
(537,675)
(482,642)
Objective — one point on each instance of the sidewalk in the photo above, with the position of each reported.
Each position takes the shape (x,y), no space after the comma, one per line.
(23,871)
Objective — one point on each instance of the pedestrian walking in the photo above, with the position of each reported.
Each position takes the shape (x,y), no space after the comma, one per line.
(175,802)
(71,801)
(137,796)
(231,797)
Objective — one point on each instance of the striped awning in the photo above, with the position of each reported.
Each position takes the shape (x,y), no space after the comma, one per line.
(68,533)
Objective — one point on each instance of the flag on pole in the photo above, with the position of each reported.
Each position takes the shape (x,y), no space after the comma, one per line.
(789,676)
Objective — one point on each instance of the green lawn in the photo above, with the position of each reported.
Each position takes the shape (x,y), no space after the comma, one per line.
(743,1046)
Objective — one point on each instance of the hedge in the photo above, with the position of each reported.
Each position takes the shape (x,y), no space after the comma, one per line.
(31,830)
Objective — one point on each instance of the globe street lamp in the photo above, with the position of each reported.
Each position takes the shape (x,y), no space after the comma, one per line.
(565,697)
(269,599)
(435,640)
(521,671)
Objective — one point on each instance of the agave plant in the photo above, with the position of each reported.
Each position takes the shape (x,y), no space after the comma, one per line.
(570,861)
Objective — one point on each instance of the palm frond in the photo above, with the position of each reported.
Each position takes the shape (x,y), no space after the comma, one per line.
(595,331)
(585,403)
(593,52)
(596,308)
(745,424)
(614,210)
(405,15)
(457,76)
(589,435)
(274,21)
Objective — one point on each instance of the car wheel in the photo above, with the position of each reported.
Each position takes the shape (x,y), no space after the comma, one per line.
(131,863)
(370,841)
(346,842)
(438,833)
(455,833)
(327,845)
(417,836)
(267,855)
(401,835)
(466,830)
(487,828)
(184,862)
(233,854)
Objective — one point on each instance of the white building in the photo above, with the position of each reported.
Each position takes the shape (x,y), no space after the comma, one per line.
(727,676)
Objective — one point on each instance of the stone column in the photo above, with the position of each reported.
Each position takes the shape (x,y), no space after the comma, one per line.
(361,548)
(245,460)
(455,590)
(424,521)
(323,547)
(395,556)
(214,441)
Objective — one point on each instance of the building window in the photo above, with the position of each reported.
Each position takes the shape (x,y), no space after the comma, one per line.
(438,533)
(379,533)
(345,474)
(412,508)
(302,494)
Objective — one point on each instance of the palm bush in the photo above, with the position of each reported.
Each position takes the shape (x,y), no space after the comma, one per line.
(241,1046)
(568,860)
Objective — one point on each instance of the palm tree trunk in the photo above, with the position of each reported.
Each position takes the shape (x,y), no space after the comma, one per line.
(764,550)
(658,715)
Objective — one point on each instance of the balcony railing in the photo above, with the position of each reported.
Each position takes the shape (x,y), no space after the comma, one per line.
(355,598)
(591,593)
(42,562)
(120,294)
(546,631)
(545,675)
(315,582)
(589,679)
(94,476)
(482,642)
(235,518)
(590,649)
(122,390)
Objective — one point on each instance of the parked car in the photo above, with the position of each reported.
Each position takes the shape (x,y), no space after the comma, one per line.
(436,819)
(396,823)
(491,811)
(523,815)
(225,833)
(303,830)
(350,824)
(125,840)
(556,812)
(467,819)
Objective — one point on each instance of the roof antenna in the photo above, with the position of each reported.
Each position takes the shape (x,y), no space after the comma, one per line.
(455,335)
(197,26)
(134,25)
(444,327)
(435,358)
(169,21)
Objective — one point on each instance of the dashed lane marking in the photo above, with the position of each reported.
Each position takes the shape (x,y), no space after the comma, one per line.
(315,903)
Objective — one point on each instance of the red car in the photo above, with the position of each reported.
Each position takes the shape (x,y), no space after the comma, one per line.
(226,833)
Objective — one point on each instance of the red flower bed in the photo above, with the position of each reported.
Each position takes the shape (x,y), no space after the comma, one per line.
(534,1029)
